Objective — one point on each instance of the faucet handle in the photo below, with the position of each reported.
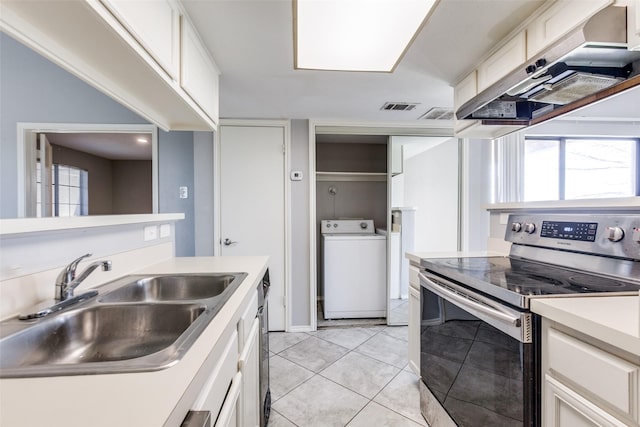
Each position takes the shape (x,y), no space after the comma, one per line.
(71,268)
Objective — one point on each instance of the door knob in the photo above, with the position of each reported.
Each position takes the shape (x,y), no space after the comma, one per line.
(229,242)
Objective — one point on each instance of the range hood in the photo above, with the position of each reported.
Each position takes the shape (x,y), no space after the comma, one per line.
(591,60)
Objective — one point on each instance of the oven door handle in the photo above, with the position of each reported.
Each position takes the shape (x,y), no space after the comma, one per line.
(446,291)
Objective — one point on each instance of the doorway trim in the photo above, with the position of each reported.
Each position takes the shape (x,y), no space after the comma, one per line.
(286,126)
(23,128)
(318,126)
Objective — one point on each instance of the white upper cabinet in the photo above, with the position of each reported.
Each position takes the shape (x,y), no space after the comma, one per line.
(558,20)
(155,25)
(633,24)
(503,61)
(465,90)
(133,54)
(199,74)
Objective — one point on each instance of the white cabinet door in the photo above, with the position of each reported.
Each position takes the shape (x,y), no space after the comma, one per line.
(155,25)
(414,329)
(228,416)
(563,407)
(199,74)
(502,62)
(558,20)
(607,377)
(249,366)
(213,393)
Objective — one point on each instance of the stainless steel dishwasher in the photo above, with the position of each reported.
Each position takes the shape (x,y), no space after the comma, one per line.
(263,315)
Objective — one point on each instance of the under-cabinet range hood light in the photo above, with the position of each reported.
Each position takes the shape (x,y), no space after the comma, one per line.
(355,35)
(588,64)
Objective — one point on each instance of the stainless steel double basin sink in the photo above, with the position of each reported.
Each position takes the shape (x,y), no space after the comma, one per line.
(135,324)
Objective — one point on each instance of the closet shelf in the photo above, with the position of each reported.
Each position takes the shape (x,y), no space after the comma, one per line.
(351,176)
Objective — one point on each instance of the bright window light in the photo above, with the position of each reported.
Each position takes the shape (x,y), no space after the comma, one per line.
(355,35)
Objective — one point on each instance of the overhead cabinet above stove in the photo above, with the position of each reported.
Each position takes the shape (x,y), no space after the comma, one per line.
(573,53)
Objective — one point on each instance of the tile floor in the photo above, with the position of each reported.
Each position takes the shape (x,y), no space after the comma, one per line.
(343,376)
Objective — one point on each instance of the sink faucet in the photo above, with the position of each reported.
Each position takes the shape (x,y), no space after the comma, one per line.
(67,280)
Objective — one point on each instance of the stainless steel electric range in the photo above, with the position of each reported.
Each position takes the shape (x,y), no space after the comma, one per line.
(480,343)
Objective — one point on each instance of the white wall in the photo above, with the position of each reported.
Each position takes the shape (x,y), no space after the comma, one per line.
(476,193)
(431,185)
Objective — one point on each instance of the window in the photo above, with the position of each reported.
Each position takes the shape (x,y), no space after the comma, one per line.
(580,168)
(70,191)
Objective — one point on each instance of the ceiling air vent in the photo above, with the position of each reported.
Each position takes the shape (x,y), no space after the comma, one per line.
(399,106)
(438,113)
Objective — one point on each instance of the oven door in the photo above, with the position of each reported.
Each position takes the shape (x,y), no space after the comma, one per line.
(478,358)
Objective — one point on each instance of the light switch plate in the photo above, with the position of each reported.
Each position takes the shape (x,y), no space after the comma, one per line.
(184,192)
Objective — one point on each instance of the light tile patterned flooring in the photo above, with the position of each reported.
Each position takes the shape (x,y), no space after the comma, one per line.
(347,376)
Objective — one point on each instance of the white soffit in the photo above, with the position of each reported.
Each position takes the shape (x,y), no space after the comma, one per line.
(355,35)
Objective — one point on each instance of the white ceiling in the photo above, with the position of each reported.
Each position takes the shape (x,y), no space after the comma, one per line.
(252,44)
(112,146)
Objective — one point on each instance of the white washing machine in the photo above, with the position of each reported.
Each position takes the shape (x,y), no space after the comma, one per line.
(354,269)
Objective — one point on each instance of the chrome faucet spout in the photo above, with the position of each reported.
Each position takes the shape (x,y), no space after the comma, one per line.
(67,280)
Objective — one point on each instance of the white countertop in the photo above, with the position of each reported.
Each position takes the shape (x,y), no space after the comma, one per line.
(133,399)
(415,257)
(614,320)
(36,225)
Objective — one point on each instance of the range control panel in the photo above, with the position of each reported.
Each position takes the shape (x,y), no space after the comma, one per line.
(584,231)
(602,234)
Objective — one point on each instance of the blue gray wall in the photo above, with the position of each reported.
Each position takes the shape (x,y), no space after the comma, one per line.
(35,90)
(300,217)
(175,151)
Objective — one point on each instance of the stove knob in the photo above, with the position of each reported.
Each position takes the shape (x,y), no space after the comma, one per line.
(530,228)
(364,225)
(516,226)
(615,234)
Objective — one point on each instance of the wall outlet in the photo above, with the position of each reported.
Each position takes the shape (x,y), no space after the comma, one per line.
(165,230)
(150,232)
(184,192)
(296,176)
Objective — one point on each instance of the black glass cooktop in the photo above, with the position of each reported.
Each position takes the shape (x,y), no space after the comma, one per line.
(525,278)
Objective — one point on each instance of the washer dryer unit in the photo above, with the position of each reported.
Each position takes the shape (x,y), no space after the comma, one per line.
(354,269)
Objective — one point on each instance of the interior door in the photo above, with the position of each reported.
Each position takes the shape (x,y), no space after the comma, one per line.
(252,203)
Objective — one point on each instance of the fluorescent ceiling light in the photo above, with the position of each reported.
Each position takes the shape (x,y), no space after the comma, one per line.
(355,35)
(142,140)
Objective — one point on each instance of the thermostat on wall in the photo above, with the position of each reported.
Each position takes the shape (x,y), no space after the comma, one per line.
(296,175)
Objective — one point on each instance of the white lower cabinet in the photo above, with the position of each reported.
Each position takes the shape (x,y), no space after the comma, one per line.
(213,394)
(414,329)
(587,383)
(231,393)
(565,407)
(414,319)
(249,366)
(230,414)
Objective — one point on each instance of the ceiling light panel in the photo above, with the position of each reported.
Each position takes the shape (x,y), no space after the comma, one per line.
(355,35)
